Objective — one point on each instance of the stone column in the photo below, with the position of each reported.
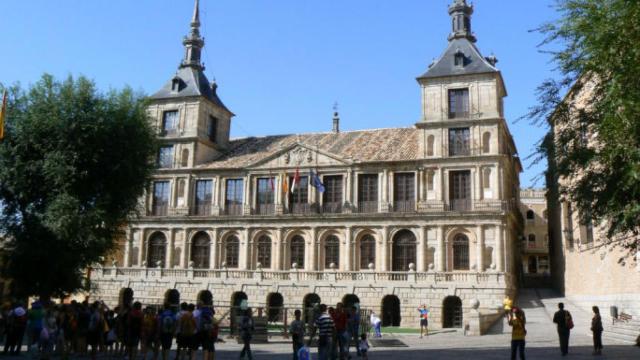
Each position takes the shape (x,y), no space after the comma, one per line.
(384,256)
(126,261)
(184,257)
(312,263)
(478,184)
(421,253)
(480,249)
(245,251)
(217,188)
(213,249)
(347,264)
(247,195)
(277,256)
(421,185)
(187,248)
(141,248)
(499,257)
(384,186)
(188,192)
(441,250)
(168,262)
(349,190)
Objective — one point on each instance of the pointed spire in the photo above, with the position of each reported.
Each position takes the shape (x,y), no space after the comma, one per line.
(461,13)
(193,43)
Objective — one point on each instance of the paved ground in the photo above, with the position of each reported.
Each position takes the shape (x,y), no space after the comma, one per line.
(541,340)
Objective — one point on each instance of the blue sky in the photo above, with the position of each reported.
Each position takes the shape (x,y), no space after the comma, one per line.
(280,64)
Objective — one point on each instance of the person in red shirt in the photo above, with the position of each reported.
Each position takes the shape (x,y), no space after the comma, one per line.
(342,332)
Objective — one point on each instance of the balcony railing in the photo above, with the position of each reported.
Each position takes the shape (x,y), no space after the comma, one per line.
(265,209)
(460,205)
(169,132)
(458,114)
(331,208)
(233,209)
(201,210)
(404,206)
(159,210)
(368,207)
(302,209)
(485,278)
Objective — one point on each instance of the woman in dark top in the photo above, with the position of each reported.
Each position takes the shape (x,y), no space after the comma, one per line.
(596,328)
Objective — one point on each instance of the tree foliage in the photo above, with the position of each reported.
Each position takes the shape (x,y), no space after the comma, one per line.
(596,148)
(72,166)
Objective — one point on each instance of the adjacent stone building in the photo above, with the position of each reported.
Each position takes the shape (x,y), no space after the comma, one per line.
(387,218)
(535,239)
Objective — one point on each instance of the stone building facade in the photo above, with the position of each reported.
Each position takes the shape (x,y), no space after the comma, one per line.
(588,266)
(535,240)
(388,218)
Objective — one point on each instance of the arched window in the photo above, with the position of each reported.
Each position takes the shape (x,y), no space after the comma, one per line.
(200,250)
(232,252)
(530,215)
(157,250)
(184,159)
(532,240)
(430,145)
(404,250)
(264,251)
(367,251)
(331,252)
(486,142)
(460,252)
(297,251)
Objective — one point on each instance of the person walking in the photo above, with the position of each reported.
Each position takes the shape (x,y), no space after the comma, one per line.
(325,328)
(149,335)
(296,330)
(597,329)
(167,325)
(564,322)
(246,333)
(133,329)
(376,323)
(205,332)
(424,320)
(186,330)
(354,328)
(16,327)
(517,322)
(342,331)
(363,347)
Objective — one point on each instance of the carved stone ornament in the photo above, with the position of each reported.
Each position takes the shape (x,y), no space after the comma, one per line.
(298,156)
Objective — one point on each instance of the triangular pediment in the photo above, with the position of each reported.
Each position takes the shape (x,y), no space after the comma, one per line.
(299,156)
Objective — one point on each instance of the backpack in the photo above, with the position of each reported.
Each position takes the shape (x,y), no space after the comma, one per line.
(187,324)
(168,324)
(304,353)
(149,325)
(568,320)
(206,320)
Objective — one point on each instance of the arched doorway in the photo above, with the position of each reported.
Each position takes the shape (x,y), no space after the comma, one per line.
(205,297)
(172,299)
(200,249)
(275,301)
(156,250)
(236,300)
(404,250)
(349,300)
(533,265)
(310,304)
(452,312)
(125,298)
(391,311)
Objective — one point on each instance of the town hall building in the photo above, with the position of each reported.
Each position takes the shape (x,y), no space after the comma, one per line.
(388,218)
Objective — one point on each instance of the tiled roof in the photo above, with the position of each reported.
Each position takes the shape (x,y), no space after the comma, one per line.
(399,144)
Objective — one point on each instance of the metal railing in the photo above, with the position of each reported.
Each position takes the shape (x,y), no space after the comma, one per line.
(233,209)
(302,209)
(368,207)
(265,209)
(159,210)
(404,206)
(331,208)
(201,210)
(459,205)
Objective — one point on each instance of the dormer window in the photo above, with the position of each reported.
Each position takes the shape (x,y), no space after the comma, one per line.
(458,59)
(176,84)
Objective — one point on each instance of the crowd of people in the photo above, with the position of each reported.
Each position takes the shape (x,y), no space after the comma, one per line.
(126,332)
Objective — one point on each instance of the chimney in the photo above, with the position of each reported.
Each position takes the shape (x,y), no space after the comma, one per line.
(336,119)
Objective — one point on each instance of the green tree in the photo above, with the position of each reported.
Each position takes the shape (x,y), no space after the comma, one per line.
(596,47)
(73,164)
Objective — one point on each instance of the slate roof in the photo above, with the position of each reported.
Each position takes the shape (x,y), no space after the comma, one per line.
(379,145)
(193,83)
(474,62)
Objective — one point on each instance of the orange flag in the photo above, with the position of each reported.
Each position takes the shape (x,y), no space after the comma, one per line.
(3,111)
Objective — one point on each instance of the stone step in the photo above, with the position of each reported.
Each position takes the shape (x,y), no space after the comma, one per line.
(619,338)
(623,330)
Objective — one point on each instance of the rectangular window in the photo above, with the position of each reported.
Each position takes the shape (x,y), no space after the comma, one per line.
(458,103)
(265,196)
(169,122)
(404,192)
(160,203)
(203,197)
(234,196)
(299,199)
(165,157)
(212,127)
(368,193)
(459,142)
(332,196)
(460,190)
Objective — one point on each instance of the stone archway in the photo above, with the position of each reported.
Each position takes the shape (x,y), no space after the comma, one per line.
(452,312)
(235,311)
(275,302)
(391,311)
(310,304)
(205,297)
(350,300)
(125,298)
(172,299)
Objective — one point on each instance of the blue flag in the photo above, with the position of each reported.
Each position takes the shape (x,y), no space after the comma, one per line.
(315,181)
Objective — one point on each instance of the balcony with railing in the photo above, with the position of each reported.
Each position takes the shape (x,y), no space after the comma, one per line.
(460,205)
(331,208)
(159,210)
(265,209)
(233,209)
(201,210)
(368,207)
(302,209)
(405,206)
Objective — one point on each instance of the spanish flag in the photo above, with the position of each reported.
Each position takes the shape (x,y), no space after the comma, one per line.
(3,111)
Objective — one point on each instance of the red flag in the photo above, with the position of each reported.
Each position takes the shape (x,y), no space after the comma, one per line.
(296,181)
(273,188)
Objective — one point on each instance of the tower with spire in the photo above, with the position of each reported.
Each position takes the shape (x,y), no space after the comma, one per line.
(462,96)
(193,122)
